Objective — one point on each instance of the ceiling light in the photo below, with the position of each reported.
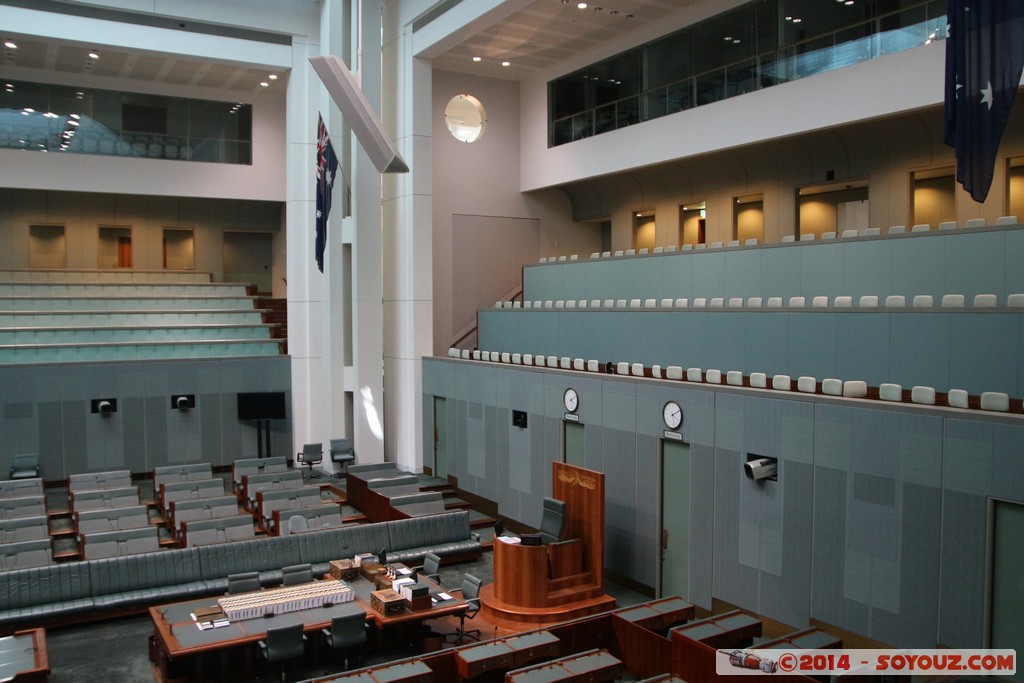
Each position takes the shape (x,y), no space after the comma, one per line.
(72,122)
(789,18)
(79,95)
(273,77)
(27,110)
(848,2)
(50,115)
(735,41)
(477,59)
(506,63)
(264,84)
(10,45)
(581,5)
(93,54)
(728,38)
(797,20)
(75,116)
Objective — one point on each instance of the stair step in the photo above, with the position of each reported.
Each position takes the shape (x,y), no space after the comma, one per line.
(575,594)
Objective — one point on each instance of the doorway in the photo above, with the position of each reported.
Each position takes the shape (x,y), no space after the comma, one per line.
(179,249)
(248,257)
(675,518)
(115,247)
(692,218)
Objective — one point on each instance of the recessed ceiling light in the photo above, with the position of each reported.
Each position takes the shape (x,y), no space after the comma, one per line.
(506,63)
(264,84)
(735,41)
(273,77)
(75,116)
(28,110)
(581,5)
(50,115)
(72,122)
(797,20)
(10,45)
(728,38)
(477,59)
(93,54)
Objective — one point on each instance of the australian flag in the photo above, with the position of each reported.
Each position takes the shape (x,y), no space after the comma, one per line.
(326,167)
(984,56)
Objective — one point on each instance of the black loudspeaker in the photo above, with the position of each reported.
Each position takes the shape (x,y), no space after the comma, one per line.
(103,406)
(519,418)
(356,109)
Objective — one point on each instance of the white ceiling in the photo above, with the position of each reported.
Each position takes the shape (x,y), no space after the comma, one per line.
(541,34)
(548,31)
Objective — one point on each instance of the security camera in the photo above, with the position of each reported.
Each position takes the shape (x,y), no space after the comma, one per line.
(761,468)
(181,403)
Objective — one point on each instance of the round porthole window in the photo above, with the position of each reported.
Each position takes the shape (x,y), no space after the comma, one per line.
(465,118)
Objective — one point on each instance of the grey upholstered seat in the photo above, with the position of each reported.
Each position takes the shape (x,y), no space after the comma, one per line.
(552,523)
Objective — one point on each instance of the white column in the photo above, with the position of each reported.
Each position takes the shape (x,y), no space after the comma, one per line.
(408,290)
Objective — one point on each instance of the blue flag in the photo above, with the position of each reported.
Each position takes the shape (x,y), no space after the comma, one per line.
(984,57)
(326,168)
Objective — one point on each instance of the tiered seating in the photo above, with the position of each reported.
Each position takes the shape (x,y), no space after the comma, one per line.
(62,316)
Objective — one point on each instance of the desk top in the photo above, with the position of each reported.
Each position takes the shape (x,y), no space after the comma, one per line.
(809,639)
(23,654)
(713,628)
(660,613)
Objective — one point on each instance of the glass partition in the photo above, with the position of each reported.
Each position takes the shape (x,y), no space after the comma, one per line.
(66,119)
(754,46)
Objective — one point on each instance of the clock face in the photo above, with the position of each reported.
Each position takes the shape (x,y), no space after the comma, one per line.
(672,414)
(571,400)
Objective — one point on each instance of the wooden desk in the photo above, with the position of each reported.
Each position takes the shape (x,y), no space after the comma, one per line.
(732,629)
(659,615)
(23,657)
(808,639)
(414,671)
(507,653)
(592,666)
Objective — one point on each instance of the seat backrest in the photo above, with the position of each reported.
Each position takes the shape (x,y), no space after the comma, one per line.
(296,573)
(348,630)
(297,524)
(243,583)
(312,454)
(552,523)
(471,588)
(285,642)
(431,564)
(341,450)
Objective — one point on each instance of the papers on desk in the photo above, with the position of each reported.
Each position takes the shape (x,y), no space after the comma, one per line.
(444,596)
(209,617)
(512,540)
(404,571)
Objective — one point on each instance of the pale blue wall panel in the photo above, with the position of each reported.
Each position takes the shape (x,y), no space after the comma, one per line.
(916,266)
(975,264)
(919,349)
(822,270)
(1013,256)
(780,272)
(726,341)
(646,517)
(702,536)
(538,280)
(742,273)
(708,274)
(768,345)
(735,540)
(862,348)
(678,276)
(689,336)
(984,352)
(867,268)
(786,595)
(812,348)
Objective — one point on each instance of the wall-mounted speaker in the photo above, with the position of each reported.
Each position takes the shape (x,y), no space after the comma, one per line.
(356,109)
(183,401)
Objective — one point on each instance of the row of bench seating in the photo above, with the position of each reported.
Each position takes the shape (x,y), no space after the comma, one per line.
(96,334)
(755,302)
(60,593)
(83,303)
(120,275)
(808,237)
(22,319)
(124,351)
(922,395)
(121,289)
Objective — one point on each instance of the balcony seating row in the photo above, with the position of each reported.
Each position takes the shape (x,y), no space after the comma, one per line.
(140,350)
(773,302)
(75,591)
(808,237)
(121,275)
(923,395)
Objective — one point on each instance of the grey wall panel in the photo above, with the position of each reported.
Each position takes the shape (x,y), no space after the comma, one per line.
(984,353)
(916,266)
(867,268)
(51,424)
(74,436)
(813,345)
(822,270)
(211,443)
(780,273)
(488,479)
(919,349)
(735,541)
(862,349)
(786,595)
(709,274)
(620,509)
(133,434)
(690,337)
(962,579)
(160,443)
(677,277)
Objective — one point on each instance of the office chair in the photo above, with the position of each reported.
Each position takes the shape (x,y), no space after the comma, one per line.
(431,567)
(243,583)
(296,573)
(347,633)
(342,453)
(312,454)
(471,594)
(552,524)
(282,644)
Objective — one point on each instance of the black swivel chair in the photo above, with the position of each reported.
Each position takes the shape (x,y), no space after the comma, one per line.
(347,633)
(282,644)
(431,567)
(552,523)
(342,453)
(471,594)
(296,574)
(312,454)
(243,583)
